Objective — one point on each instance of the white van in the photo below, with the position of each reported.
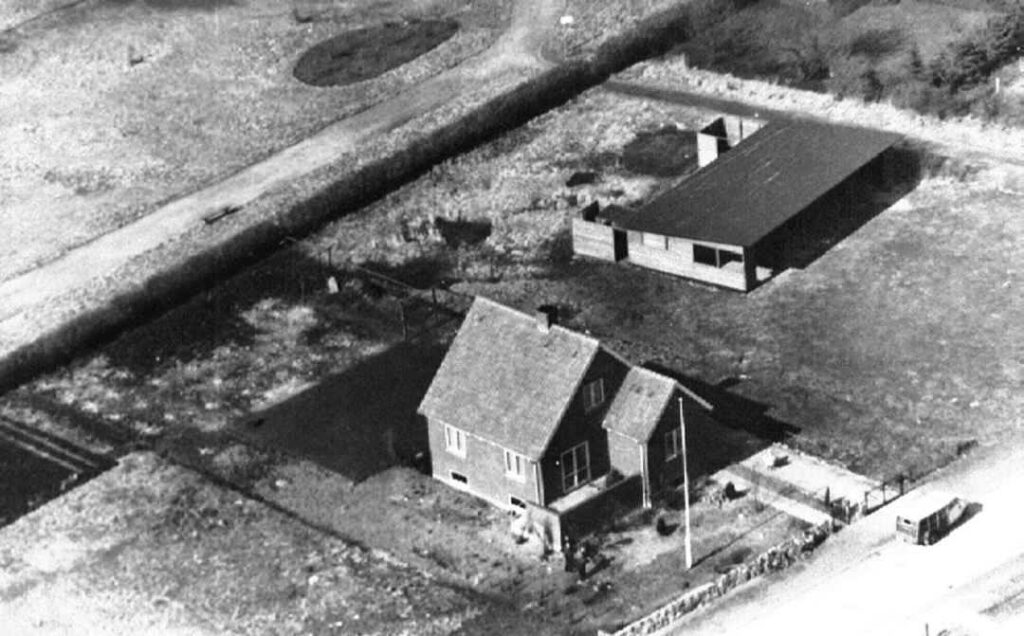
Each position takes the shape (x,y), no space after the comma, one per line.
(924,519)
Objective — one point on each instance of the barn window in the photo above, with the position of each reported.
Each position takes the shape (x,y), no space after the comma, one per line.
(459,477)
(654,240)
(725,256)
(714,257)
(704,255)
(454,441)
(517,502)
(593,394)
(515,466)
(673,444)
(575,467)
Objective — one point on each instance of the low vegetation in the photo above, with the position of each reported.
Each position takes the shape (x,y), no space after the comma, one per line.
(936,58)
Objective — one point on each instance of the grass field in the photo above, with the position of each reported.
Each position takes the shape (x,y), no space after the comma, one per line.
(111,108)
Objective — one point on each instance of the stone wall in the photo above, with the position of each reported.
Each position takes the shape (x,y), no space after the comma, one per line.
(774,559)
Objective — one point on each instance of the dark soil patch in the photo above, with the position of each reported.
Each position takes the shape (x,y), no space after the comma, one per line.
(459,232)
(666,152)
(363,54)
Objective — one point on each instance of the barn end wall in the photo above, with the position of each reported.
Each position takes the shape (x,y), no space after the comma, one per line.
(595,240)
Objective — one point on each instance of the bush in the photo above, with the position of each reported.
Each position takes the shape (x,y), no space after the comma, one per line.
(970,61)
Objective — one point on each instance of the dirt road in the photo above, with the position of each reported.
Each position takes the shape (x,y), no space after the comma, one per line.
(78,269)
(864,581)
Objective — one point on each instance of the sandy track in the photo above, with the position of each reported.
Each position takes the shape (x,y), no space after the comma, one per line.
(101,257)
(864,581)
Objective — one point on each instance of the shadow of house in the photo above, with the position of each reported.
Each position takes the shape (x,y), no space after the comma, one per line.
(731,409)
(36,466)
(358,422)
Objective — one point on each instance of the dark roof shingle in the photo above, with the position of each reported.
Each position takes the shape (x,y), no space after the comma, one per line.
(507,381)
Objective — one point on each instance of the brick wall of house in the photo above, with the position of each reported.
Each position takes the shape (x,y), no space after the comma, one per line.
(483,466)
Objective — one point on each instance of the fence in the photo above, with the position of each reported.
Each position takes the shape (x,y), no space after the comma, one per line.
(417,306)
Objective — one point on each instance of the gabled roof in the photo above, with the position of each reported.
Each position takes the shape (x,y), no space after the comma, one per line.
(640,402)
(752,189)
(506,380)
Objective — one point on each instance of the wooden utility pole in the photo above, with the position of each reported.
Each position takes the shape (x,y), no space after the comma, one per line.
(686,489)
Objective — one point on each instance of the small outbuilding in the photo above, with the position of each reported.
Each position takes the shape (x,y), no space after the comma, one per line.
(727,224)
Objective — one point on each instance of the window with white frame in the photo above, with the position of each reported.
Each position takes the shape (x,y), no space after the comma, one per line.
(593,394)
(658,241)
(673,444)
(515,466)
(575,467)
(454,441)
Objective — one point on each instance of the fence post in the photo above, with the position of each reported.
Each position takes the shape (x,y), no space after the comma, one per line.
(401,314)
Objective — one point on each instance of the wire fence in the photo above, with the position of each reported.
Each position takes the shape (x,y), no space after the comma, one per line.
(419,310)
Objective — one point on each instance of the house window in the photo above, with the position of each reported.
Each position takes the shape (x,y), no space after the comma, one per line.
(459,477)
(517,502)
(454,441)
(593,394)
(515,466)
(654,240)
(673,444)
(575,467)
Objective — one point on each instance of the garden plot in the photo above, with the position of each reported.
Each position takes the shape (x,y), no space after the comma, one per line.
(153,548)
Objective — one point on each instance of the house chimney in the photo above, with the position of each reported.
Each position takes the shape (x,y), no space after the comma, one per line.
(546,315)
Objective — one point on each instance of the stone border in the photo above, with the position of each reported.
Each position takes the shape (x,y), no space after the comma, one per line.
(774,559)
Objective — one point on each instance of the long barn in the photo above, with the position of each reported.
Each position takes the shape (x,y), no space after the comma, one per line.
(728,224)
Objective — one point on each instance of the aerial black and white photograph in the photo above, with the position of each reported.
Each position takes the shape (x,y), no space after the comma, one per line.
(518,317)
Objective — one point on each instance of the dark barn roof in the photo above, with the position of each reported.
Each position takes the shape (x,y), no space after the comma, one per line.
(507,381)
(760,184)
